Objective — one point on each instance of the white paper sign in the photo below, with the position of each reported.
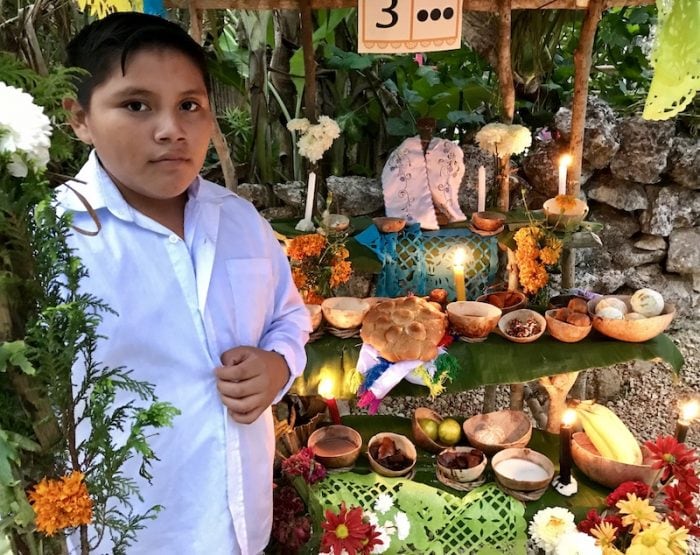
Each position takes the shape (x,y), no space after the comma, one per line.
(398,26)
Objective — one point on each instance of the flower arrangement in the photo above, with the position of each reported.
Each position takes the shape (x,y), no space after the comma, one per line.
(319,264)
(503,140)
(304,465)
(638,519)
(291,526)
(537,249)
(349,532)
(315,139)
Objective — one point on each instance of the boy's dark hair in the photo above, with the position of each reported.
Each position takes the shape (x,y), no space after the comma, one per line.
(106,42)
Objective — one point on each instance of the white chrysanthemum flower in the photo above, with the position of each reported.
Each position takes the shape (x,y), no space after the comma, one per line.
(384,503)
(403,525)
(503,140)
(298,124)
(371,517)
(329,126)
(385,539)
(577,543)
(25,131)
(549,525)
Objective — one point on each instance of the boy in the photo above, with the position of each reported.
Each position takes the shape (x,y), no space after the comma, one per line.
(206,307)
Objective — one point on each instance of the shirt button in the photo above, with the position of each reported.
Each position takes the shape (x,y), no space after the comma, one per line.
(173,238)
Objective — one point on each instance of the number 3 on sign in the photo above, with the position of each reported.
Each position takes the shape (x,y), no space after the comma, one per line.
(393,26)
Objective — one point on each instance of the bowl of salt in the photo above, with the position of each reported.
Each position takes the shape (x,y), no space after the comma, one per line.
(522,469)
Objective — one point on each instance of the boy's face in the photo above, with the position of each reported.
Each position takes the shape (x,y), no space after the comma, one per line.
(150,127)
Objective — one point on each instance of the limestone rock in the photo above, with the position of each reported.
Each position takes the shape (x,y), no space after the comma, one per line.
(684,251)
(607,383)
(628,256)
(603,281)
(540,167)
(684,162)
(281,213)
(618,227)
(618,193)
(291,193)
(600,141)
(354,195)
(650,242)
(670,208)
(359,285)
(674,288)
(260,195)
(644,149)
(473,158)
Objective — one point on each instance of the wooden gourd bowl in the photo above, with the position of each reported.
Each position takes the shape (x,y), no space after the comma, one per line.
(633,331)
(461,474)
(342,459)
(528,455)
(419,436)
(495,431)
(403,443)
(522,300)
(563,331)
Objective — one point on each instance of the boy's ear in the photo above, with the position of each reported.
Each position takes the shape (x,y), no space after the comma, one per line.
(77,118)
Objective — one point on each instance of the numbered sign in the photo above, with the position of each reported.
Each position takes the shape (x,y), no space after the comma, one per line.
(394,26)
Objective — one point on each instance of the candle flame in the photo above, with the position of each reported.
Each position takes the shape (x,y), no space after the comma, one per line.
(569,417)
(460,257)
(566,160)
(325,388)
(690,410)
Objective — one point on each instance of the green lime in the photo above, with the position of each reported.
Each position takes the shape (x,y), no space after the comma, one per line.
(430,427)
(449,431)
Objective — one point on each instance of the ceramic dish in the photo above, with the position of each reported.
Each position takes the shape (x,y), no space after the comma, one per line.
(495,431)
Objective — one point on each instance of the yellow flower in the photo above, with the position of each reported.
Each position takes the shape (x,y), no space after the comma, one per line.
(653,540)
(59,504)
(605,534)
(678,541)
(637,513)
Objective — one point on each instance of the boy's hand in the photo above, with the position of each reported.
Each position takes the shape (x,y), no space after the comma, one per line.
(249,380)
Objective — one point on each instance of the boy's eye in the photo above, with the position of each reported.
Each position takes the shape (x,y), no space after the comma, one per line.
(136,106)
(189,106)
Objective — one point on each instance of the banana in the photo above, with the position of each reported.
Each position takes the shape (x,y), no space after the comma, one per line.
(609,434)
(597,439)
(625,446)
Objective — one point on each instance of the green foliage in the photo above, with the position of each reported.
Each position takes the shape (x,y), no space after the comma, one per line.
(49,327)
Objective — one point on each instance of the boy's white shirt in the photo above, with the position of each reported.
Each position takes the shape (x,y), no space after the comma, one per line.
(180,305)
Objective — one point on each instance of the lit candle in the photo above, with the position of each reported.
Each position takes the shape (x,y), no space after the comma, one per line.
(458,271)
(564,163)
(309,208)
(481,191)
(688,412)
(325,390)
(565,431)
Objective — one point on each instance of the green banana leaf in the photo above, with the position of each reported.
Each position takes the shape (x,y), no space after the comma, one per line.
(494,361)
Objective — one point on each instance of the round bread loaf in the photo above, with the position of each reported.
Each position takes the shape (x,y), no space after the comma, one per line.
(407,328)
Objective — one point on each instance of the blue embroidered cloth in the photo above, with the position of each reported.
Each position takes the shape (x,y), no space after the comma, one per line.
(416,261)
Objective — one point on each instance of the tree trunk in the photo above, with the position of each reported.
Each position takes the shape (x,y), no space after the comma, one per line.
(557,388)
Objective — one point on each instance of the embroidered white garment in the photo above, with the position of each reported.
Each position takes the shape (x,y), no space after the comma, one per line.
(415,184)
(180,304)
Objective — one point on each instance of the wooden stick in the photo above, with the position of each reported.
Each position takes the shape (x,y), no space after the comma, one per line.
(489,398)
(505,72)
(307,43)
(517,396)
(557,388)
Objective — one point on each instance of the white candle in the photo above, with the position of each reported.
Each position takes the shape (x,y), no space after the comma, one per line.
(481,192)
(310,196)
(564,163)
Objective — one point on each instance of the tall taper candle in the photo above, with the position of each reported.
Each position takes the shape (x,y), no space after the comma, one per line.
(458,272)
(564,163)
(309,208)
(565,432)
(481,190)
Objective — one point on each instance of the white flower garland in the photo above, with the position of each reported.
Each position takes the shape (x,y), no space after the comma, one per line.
(503,140)
(25,132)
(315,139)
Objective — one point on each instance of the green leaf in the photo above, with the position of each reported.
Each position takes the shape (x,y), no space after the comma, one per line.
(460,117)
(15,353)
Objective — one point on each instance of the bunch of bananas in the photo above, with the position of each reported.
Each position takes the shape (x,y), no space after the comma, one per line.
(608,433)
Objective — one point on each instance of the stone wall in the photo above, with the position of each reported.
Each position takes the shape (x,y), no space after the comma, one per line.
(640,178)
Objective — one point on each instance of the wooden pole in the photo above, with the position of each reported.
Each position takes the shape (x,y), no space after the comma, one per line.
(307,43)
(218,138)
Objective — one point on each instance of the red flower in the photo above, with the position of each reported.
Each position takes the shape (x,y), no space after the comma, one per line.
(678,521)
(616,521)
(346,530)
(670,455)
(688,479)
(640,489)
(592,520)
(303,464)
(679,500)
(371,540)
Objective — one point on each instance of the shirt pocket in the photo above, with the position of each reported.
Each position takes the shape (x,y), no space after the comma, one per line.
(251,281)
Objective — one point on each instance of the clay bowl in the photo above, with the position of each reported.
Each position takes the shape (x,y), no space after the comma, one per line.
(461,474)
(523,315)
(403,443)
(562,301)
(567,219)
(503,296)
(563,331)
(607,472)
(344,312)
(488,221)
(473,320)
(634,331)
(316,315)
(419,436)
(495,431)
(528,482)
(387,224)
(335,446)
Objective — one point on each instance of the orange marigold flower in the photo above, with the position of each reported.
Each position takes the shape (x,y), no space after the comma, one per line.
(311,297)
(341,253)
(565,202)
(340,273)
(304,246)
(59,504)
